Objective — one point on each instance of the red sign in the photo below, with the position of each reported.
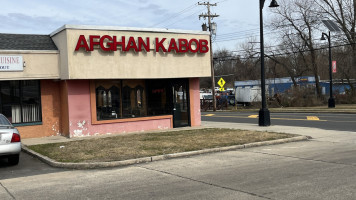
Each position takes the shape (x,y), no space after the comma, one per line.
(333,66)
(112,43)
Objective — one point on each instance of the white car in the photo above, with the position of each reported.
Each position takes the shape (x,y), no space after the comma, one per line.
(10,141)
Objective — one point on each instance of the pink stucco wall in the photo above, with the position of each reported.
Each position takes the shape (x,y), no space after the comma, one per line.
(80,115)
(194,92)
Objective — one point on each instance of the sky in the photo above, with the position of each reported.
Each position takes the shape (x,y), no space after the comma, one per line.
(238,20)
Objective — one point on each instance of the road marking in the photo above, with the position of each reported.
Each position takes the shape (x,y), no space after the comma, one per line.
(313,118)
(209,115)
(291,119)
(256,116)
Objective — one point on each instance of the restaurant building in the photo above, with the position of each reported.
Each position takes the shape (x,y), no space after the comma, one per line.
(97,80)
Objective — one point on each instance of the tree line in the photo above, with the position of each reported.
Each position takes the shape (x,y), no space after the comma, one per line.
(299,51)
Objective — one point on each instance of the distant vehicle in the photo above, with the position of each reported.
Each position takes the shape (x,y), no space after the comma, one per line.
(230,99)
(10,141)
(208,97)
(230,90)
(248,95)
(203,94)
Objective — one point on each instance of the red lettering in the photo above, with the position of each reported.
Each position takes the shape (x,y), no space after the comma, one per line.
(82,43)
(183,45)
(102,40)
(117,43)
(92,42)
(131,44)
(196,45)
(110,43)
(173,45)
(203,46)
(159,45)
(141,43)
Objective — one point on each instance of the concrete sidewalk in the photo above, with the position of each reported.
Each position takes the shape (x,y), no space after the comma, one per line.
(315,133)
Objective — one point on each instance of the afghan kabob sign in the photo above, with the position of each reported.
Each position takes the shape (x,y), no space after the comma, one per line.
(139,44)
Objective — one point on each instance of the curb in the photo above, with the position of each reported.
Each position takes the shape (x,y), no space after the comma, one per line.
(95,165)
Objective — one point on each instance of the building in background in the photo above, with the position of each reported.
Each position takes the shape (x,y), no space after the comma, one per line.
(249,91)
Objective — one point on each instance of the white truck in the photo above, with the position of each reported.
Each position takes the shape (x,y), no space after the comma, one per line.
(247,95)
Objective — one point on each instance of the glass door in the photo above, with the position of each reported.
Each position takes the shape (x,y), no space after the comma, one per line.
(181,116)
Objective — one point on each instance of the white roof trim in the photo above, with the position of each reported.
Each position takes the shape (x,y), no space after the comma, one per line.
(30,51)
(117,28)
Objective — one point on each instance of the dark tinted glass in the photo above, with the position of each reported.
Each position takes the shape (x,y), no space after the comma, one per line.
(20,101)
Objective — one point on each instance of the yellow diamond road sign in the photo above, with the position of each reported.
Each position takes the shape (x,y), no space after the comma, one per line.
(221,82)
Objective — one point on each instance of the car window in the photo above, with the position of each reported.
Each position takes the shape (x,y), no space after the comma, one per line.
(4,121)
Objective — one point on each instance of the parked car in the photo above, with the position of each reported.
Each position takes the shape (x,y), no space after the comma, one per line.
(10,141)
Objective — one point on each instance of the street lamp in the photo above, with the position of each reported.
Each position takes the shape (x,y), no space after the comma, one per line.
(264,115)
(331,102)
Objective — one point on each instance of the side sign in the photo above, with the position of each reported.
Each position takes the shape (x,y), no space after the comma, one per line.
(333,66)
(11,63)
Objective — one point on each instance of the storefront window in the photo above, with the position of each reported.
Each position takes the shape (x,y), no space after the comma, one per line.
(20,101)
(159,97)
(118,99)
(108,100)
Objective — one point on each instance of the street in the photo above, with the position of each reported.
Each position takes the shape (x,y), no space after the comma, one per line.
(329,121)
(321,168)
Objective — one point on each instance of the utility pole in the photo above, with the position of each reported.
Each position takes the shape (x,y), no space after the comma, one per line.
(211,30)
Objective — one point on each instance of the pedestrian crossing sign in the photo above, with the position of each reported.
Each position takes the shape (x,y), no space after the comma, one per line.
(221,82)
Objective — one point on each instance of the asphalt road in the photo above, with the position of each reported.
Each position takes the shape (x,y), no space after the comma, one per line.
(323,168)
(28,166)
(327,121)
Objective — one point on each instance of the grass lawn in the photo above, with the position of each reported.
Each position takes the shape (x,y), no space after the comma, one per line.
(124,147)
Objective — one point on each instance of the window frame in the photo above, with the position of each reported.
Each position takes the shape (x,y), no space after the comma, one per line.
(93,108)
(21,97)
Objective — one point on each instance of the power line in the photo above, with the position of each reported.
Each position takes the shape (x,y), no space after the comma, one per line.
(240,32)
(237,37)
(176,14)
(295,45)
(288,53)
(166,26)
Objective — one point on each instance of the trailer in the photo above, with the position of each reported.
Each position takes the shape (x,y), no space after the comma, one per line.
(247,95)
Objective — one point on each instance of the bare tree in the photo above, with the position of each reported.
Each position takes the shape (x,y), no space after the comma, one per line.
(343,12)
(290,55)
(298,19)
(225,66)
(250,67)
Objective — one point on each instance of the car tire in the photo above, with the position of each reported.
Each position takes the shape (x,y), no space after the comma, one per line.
(232,102)
(14,159)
